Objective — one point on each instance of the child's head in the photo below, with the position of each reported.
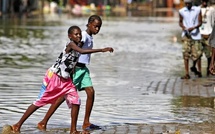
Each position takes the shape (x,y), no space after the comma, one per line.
(94,24)
(74,34)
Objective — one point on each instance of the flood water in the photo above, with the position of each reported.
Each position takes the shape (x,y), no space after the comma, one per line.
(145,55)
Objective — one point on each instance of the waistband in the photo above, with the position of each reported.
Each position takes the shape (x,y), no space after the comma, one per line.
(80,65)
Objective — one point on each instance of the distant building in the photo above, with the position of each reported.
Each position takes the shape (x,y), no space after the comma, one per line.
(8,7)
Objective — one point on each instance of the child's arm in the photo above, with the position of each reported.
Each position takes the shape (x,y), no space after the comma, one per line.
(82,43)
(73,46)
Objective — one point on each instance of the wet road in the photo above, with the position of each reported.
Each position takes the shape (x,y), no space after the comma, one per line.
(136,86)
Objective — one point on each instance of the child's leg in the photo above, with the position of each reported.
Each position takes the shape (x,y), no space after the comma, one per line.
(31,109)
(42,124)
(89,105)
(82,80)
(74,117)
(199,64)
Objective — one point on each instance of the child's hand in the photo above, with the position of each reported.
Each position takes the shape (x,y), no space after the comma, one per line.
(110,49)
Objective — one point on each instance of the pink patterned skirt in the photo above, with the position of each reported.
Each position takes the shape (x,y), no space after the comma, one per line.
(53,87)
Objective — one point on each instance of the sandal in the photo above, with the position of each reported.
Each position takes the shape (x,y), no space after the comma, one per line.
(187,76)
(92,127)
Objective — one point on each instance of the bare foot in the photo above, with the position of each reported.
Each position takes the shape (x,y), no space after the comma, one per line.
(41,126)
(86,125)
(16,128)
(80,132)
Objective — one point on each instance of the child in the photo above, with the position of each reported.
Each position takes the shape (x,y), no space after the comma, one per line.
(81,77)
(57,82)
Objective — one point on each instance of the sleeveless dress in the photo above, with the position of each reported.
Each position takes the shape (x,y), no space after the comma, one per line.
(57,81)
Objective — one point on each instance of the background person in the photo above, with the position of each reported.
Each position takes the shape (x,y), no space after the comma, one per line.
(208,15)
(190,19)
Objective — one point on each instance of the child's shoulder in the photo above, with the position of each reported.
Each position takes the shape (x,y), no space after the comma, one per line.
(85,36)
(84,32)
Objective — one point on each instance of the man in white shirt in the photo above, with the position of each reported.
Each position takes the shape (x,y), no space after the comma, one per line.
(208,16)
(190,19)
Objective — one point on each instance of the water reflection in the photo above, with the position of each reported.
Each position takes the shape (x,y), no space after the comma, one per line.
(25,44)
(26,30)
(195,101)
(193,109)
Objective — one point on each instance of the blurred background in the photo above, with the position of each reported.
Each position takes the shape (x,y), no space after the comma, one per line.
(39,8)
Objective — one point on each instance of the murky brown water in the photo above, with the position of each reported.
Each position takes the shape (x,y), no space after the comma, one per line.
(132,84)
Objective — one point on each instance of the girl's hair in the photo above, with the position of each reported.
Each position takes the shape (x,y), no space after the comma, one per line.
(94,17)
(72,28)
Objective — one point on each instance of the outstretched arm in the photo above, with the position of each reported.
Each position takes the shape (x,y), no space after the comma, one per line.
(73,46)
